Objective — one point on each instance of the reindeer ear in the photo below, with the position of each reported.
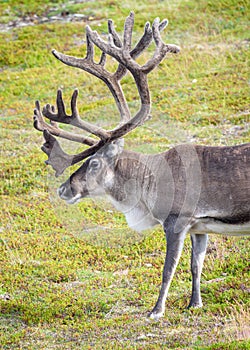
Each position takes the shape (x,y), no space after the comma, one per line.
(114,149)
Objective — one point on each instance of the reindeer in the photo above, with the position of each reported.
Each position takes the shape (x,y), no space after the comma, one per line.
(189,188)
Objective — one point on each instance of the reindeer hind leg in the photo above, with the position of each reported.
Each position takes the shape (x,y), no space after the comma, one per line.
(199,245)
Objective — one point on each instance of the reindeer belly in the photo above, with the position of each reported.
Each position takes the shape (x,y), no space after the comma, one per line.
(208,225)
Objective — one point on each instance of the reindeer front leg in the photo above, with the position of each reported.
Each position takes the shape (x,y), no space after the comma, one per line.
(175,234)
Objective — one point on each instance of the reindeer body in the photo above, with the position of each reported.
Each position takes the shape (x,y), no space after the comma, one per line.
(189,188)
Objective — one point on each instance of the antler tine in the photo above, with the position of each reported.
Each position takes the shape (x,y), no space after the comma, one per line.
(112,31)
(146,39)
(128,30)
(161,48)
(58,159)
(74,118)
(41,125)
(103,59)
(61,108)
(144,42)
(90,49)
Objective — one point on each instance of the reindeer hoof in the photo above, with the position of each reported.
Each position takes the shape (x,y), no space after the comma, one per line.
(195,305)
(155,315)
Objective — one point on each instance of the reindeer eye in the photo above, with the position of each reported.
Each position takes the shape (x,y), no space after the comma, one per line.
(95,164)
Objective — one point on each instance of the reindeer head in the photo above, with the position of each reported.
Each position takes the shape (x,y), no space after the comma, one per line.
(95,177)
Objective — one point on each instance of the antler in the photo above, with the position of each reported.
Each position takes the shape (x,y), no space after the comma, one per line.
(125,56)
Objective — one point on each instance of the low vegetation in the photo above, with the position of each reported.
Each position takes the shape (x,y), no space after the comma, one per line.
(76,277)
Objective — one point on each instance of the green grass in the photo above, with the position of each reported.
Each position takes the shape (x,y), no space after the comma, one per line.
(62,286)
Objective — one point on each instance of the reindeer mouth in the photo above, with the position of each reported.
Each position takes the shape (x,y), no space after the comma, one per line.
(73,200)
(67,195)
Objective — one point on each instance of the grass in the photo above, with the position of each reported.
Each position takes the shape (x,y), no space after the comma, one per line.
(62,286)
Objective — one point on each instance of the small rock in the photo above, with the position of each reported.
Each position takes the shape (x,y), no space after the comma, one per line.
(5,296)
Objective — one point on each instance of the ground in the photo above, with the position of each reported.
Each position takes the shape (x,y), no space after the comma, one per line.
(91,288)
